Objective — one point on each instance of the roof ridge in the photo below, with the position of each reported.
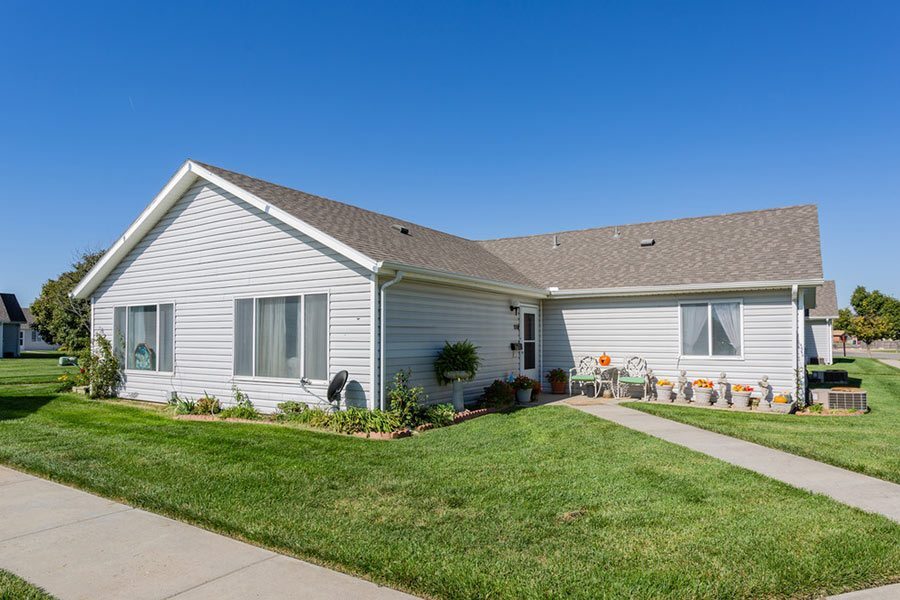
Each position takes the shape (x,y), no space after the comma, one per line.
(341,202)
(731,214)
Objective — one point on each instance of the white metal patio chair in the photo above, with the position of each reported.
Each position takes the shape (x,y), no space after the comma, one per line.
(584,374)
(634,372)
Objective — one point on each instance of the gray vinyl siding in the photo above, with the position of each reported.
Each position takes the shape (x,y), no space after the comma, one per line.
(211,248)
(819,340)
(648,327)
(9,339)
(421,316)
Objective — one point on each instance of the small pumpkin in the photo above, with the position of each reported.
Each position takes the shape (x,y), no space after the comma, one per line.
(604,360)
(780,400)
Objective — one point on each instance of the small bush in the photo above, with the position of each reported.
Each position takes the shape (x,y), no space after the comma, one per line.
(242,409)
(99,370)
(439,415)
(292,407)
(207,405)
(499,393)
(361,420)
(184,406)
(406,401)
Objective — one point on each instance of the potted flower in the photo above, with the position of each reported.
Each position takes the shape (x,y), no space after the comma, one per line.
(702,391)
(740,396)
(558,379)
(664,390)
(524,387)
(782,403)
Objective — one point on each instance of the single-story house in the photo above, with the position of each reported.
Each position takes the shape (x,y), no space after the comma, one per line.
(819,320)
(11,319)
(226,280)
(30,338)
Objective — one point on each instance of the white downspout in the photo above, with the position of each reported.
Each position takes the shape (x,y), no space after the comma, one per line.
(795,338)
(381,336)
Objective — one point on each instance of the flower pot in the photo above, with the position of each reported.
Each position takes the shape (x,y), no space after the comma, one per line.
(523,396)
(702,396)
(664,393)
(558,387)
(740,400)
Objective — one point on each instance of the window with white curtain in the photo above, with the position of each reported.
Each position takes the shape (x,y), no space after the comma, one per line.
(711,328)
(144,337)
(284,337)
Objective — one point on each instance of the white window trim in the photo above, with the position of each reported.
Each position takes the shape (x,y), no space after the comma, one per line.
(284,380)
(709,303)
(156,371)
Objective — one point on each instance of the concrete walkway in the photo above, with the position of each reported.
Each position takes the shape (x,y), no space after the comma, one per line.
(79,546)
(892,362)
(864,492)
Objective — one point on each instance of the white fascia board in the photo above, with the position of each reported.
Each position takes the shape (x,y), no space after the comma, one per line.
(688,288)
(183,179)
(446,277)
(286,218)
(177,185)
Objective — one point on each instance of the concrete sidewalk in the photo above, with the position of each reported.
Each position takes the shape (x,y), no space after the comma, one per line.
(864,492)
(79,546)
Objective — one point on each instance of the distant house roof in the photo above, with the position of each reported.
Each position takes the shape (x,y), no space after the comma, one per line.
(826,301)
(10,311)
(766,246)
(29,318)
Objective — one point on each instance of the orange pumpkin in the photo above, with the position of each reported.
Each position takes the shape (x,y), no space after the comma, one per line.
(604,360)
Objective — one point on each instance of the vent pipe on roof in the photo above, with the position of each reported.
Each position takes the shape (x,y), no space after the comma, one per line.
(556,241)
(401,229)
(648,242)
(616,234)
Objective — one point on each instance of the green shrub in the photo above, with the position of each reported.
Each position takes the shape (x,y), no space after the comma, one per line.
(207,405)
(183,406)
(242,409)
(406,401)
(99,369)
(499,393)
(439,415)
(361,420)
(459,356)
(292,407)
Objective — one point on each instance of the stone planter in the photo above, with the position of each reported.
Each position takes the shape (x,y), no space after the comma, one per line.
(740,400)
(457,387)
(702,396)
(80,389)
(664,393)
(721,401)
(783,407)
(523,396)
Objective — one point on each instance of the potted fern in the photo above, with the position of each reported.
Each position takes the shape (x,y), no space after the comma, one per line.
(455,363)
(558,379)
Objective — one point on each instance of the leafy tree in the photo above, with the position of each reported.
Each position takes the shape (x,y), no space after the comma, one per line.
(59,318)
(844,320)
(869,328)
(876,304)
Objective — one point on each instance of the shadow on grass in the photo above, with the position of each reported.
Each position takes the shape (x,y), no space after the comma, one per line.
(19,407)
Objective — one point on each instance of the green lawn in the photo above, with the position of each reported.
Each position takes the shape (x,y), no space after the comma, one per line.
(542,502)
(33,367)
(868,443)
(14,588)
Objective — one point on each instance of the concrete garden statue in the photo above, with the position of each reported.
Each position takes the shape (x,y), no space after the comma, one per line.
(454,364)
(681,388)
(764,392)
(722,384)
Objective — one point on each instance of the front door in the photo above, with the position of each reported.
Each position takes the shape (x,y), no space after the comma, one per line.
(528,332)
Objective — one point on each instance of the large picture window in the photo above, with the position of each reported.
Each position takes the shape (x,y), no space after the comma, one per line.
(711,328)
(284,337)
(144,337)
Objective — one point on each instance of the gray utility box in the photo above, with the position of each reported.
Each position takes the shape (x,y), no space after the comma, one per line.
(846,399)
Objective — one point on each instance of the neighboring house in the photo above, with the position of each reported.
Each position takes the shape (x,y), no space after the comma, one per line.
(819,320)
(29,337)
(11,319)
(225,279)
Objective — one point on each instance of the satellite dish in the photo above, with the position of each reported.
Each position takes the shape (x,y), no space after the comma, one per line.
(337,386)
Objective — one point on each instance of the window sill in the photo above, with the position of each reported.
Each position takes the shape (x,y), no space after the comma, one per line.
(278,380)
(710,357)
(148,372)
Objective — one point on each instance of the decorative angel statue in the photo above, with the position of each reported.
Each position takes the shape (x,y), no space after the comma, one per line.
(681,387)
(764,388)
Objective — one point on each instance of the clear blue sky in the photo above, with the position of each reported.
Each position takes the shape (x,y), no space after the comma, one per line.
(481,119)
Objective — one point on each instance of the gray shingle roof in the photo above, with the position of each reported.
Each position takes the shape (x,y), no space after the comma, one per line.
(10,311)
(372,233)
(826,301)
(29,318)
(767,245)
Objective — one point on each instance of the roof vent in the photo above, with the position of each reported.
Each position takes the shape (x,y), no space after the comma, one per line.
(616,234)
(648,242)
(556,241)
(401,229)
